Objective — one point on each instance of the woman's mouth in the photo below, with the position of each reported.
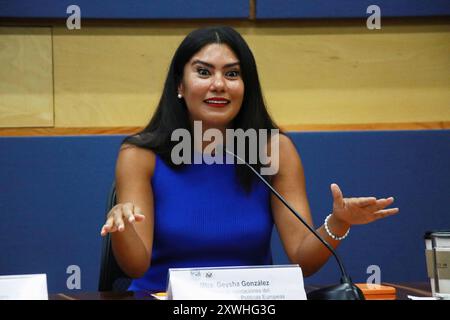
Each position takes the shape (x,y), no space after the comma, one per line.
(217,102)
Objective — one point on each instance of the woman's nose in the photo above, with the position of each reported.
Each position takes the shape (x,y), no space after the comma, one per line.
(218,83)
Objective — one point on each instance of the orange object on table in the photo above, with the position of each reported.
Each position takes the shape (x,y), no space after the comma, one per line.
(377,291)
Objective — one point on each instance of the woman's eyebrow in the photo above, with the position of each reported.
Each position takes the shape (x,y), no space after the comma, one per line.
(209,65)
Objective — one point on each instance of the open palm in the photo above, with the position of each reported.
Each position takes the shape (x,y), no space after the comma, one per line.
(360,210)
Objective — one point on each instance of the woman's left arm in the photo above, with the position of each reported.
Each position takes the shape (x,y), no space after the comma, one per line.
(300,244)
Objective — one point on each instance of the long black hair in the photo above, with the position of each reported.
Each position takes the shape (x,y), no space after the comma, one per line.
(172,113)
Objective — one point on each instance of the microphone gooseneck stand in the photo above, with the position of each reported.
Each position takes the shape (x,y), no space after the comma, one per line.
(346,290)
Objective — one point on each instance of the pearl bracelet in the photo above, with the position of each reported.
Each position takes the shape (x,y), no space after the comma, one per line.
(332,235)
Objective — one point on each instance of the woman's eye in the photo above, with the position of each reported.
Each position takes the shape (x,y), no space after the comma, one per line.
(203,72)
(233,74)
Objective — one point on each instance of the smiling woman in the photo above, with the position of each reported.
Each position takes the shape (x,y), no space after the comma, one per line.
(172,215)
(210,65)
(212,86)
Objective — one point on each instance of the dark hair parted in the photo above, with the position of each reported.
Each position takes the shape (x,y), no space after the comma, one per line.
(171,112)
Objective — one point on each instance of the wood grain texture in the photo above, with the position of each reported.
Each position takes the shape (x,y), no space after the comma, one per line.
(352,75)
(313,73)
(22,132)
(310,75)
(26,80)
(39,132)
(110,77)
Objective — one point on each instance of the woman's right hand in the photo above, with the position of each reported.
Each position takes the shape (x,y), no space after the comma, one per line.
(115,220)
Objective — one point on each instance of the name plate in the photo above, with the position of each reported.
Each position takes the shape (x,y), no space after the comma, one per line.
(274,282)
(24,287)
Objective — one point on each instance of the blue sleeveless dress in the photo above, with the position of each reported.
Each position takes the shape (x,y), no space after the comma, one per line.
(203,218)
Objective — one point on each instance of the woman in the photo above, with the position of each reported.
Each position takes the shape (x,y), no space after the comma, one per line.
(193,215)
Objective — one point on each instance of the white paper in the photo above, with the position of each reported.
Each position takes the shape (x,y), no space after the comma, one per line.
(421,298)
(24,287)
(283,282)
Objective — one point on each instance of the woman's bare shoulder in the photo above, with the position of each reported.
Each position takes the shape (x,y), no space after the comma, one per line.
(289,155)
(133,159)
(287,149)
(286,144)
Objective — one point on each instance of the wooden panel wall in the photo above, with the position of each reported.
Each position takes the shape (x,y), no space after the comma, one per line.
(351,75)
(313,74)
(26,79)
(110,76)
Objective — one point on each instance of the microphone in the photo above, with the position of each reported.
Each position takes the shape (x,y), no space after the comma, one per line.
(346,290)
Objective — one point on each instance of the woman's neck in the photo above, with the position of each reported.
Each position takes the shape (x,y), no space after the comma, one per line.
(201,141)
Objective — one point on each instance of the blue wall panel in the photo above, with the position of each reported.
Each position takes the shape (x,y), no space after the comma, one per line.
(53,192)
(126,9)
(180,9)
(52,203)
(291,9)
(414,167)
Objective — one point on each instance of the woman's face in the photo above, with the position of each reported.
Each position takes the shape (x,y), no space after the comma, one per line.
(212,86)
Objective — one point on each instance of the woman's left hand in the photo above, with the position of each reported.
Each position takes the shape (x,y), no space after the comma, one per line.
(360,210)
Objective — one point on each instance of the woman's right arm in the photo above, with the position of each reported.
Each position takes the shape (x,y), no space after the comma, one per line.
(131,221)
